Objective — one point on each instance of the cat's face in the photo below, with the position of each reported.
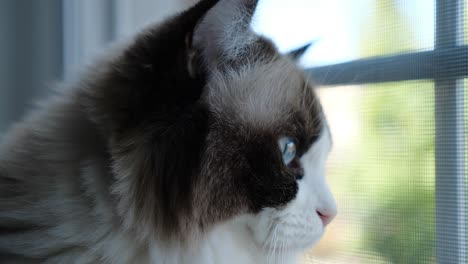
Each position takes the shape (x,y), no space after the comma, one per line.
(302,221)
(280,170)
(266,154)
(207,123)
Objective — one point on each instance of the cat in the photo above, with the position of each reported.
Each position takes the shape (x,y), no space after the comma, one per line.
(197,142)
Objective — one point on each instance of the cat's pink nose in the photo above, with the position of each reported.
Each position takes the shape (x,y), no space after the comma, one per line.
(326,216)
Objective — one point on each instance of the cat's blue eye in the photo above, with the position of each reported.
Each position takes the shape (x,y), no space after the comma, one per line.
(288,149)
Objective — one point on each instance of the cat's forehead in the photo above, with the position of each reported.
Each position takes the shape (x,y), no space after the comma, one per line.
(265,94)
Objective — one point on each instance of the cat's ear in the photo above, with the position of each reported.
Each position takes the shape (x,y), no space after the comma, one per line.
(297,53)
(224,35)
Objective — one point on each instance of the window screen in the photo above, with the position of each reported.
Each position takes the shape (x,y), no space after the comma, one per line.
(382,172)
(394,89)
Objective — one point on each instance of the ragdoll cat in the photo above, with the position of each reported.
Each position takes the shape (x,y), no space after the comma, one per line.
(196,143)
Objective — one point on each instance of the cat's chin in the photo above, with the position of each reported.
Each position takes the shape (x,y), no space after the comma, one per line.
(284,249)
(277,255)
(283,237)
(291,248)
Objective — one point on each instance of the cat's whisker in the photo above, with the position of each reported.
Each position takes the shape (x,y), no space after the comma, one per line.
(268,245)
(282,251)
(275,240)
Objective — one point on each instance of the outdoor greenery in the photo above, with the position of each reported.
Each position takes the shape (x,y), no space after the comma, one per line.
(384,181)
(397,146)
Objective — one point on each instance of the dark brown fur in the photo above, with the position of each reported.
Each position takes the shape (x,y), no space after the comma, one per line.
(151,108)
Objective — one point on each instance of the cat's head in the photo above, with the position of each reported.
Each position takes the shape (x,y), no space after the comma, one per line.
(207,122)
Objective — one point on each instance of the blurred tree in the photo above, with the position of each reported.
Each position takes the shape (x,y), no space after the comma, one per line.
(398,143)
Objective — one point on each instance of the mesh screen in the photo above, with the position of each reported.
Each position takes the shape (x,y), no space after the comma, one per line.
(408,23)
(382,172)
(465,13)
(399,164)
(344,30)
(398,168)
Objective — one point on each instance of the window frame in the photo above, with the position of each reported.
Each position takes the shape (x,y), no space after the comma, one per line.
(442,65)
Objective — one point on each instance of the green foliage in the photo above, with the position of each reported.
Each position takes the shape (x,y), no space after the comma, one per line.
(405,233)
(398,145)
(387,31)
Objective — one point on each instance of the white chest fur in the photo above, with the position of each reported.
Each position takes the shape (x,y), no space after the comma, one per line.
(230,243)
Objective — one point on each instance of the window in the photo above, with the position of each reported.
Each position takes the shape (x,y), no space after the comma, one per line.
(393,78)
(394,88)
